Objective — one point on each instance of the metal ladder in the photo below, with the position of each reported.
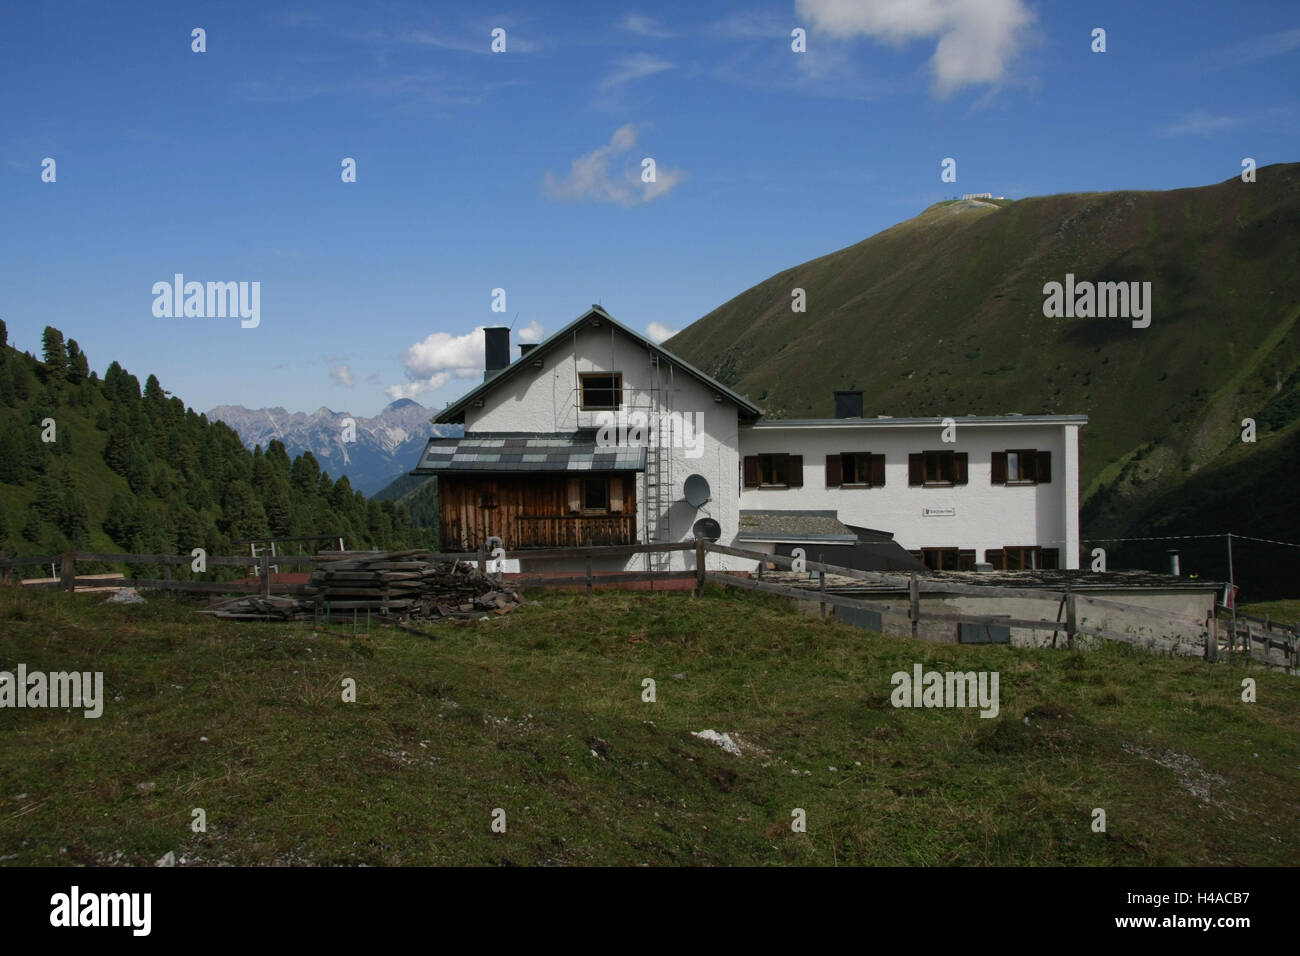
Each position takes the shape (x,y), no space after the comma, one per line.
(658,479)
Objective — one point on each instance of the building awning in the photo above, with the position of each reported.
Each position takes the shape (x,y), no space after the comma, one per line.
(822,527)
(501,453)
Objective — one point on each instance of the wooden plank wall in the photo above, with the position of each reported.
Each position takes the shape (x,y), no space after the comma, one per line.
(528,511)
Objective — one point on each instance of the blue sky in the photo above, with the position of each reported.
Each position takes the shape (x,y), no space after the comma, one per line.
(521,170)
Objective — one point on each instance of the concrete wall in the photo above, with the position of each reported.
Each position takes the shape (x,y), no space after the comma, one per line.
(987,516)
(1175,626)
(546,400)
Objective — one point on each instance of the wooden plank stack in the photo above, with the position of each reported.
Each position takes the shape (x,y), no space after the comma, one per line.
(402,584)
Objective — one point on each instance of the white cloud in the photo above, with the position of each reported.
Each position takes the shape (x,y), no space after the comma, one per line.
(480,42)
(590,176)
(432,363)
(635,66)
(646,27)
(1261,47)
(342,375)
(1200,123)
(532,332)
(978,39)
(657,332)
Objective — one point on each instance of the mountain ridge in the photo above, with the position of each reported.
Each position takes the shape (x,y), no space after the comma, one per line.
(942,314)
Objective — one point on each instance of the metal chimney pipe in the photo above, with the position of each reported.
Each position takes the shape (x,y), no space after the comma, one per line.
(1173,563)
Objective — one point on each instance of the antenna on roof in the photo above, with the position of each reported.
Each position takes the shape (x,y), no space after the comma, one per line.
(514,320)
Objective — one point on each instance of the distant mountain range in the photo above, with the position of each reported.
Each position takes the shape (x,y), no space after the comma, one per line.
(386,446)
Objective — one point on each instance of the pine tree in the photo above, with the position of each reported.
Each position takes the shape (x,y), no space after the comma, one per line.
(55,354)
(117,452)
(78,366)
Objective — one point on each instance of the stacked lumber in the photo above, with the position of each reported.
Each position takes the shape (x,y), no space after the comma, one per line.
(403,584)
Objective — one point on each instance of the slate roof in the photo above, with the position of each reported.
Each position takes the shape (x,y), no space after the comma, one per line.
(517,452)
(797,526)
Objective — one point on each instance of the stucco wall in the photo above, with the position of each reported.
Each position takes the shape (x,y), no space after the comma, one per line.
(986,515)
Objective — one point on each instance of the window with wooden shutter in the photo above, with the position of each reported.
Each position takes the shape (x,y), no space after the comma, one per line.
(877,471)
(1021,466)
(916,468)
(995,557)
(1049,559)
(751,471)
(794,470)
(966,560)
(999,469)
(834,473)
(959,467)
(616,495)
(575,495)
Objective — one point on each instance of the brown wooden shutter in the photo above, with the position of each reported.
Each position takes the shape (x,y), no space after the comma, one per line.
(1049,559)
(999,468)
(995,557)
(751,471)
(794,471)
(575,495)
(959,467)
(916,469)
(616,494)
(834,471)
(1043,467)
(966,560)
(878,471)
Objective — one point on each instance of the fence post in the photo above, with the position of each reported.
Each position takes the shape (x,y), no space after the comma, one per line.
(589,572)
(914,599)
(821,586)
(700,564)
(482,559)
(1212,638)
(167,571)
(68,571)
(4,572)
(1070,620)
(266,574)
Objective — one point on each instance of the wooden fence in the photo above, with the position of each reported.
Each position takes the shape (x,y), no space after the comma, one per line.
(1272,636)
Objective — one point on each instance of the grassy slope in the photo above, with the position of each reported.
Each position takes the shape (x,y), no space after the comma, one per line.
(942,314)
(507,714)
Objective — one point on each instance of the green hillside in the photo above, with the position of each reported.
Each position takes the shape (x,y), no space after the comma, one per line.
(418,494)
(942,315)
(135,470)
(541,713)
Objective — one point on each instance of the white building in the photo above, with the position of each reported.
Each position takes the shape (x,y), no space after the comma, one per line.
(553,456)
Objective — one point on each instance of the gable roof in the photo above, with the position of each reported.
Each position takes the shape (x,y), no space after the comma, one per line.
(455,412)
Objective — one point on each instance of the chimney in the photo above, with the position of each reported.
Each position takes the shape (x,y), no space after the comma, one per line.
(496,350)
(1173,563)
(526,347)
(848,404)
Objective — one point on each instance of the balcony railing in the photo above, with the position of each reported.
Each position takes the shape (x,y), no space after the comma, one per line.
(573,531)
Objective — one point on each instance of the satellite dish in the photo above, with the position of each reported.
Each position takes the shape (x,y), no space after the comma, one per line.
(708,529)
(696,490)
